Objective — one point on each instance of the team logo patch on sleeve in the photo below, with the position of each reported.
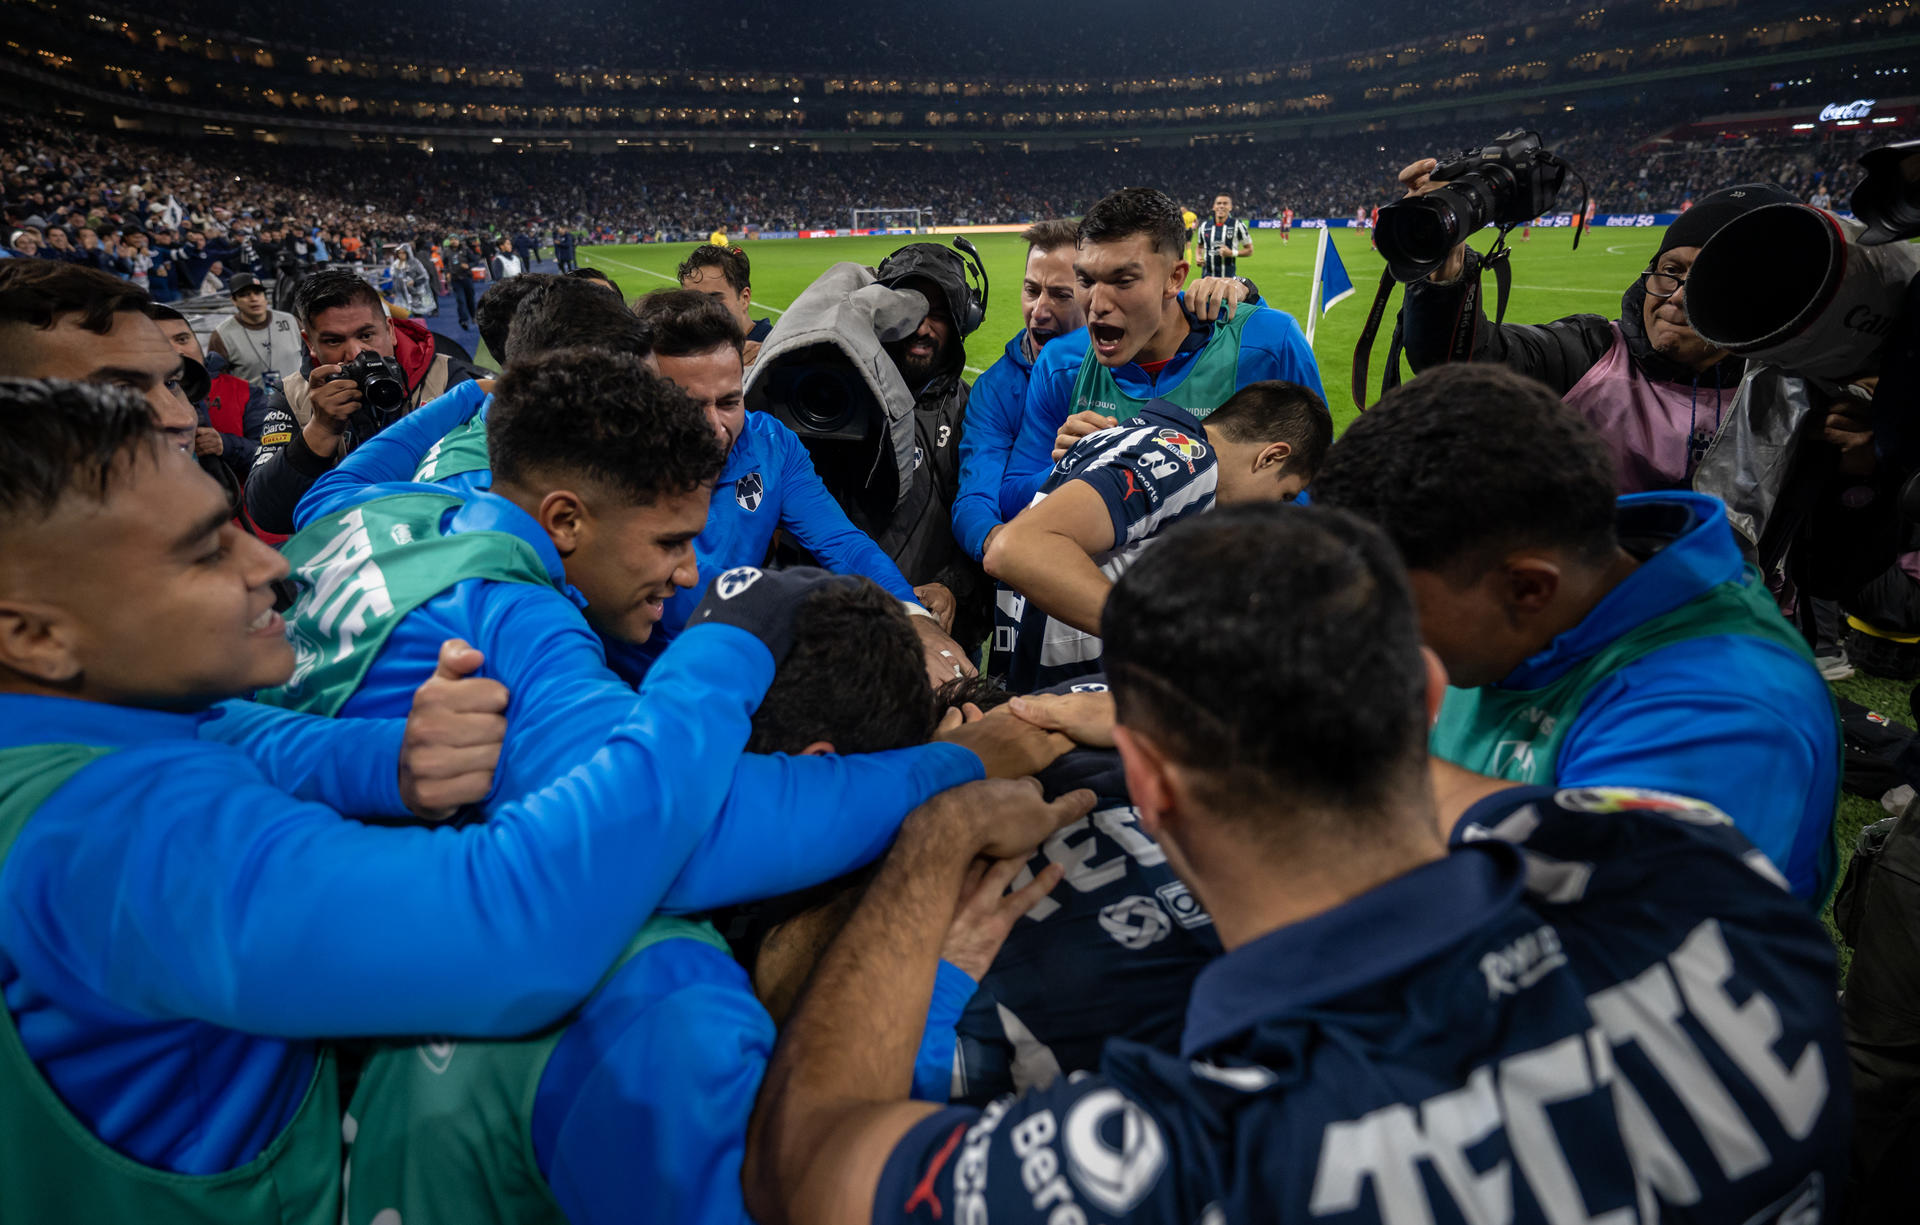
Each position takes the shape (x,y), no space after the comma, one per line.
(748,491)
(1634,799)
(1186,448)
(735,581)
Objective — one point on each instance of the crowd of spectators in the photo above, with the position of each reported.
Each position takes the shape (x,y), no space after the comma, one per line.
(123,202)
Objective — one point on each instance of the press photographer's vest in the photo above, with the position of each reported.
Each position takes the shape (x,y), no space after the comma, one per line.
(53,1168)
(359,573)
(443,1131)
(1210,381)
(461,450)
(1516,734)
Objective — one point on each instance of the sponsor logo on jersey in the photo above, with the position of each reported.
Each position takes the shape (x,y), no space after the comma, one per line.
(278,439)
(1132,486)
(437,1054)
(1087,687)
(1523,963)
(1182,905)
(1115,1151)
(1134,922)
(748,491)
(1635,799)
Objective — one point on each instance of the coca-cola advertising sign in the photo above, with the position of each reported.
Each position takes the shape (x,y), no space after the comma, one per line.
(1859,108)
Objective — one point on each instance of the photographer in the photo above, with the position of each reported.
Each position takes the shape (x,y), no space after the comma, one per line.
(359,358)
(1657,393)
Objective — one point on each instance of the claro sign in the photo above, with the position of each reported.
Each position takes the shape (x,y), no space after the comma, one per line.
(1859,108)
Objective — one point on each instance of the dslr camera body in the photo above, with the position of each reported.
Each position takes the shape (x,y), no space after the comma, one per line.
(383,385)
(1506,184)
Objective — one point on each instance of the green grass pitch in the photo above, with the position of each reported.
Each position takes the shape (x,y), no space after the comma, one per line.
(1551,279)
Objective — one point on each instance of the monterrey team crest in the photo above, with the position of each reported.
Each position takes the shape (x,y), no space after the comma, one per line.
(748,491)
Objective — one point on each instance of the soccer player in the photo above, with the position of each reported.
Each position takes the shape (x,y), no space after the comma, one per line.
(1140,343)
(727,274)
(601,479)
(1592,639)
(184,914)
(1112,493)
(1223,241)
(637,1108)
(1586,1004)
(769,484)
(1286,224)
(1051,305)
(1110,952)
(1191,220)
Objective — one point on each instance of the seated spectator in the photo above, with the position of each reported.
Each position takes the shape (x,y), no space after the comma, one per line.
(259,344)
(1140,343)
(1404,985)
(577,1118)
(1593,641)
(24,243)
(1113,493)
(769,484)
(315,421)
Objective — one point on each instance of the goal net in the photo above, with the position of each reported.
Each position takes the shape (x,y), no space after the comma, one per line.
(910,219)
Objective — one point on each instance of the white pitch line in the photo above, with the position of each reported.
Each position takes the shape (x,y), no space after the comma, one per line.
(1547,288)
(758,304)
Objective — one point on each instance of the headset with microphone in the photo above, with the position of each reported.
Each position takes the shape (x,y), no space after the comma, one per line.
(934,262)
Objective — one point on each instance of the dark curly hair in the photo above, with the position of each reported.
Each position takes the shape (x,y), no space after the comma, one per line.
(731,261)
(854,678)
(562,313)
(604,419)
(329,288)
(686,322)
(59,437)
(493,313)
(36,292)
(1469,461)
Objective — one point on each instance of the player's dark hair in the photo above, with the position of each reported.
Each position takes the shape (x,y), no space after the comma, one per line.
(59,437)
(1136,210)
(982,691)
(731,261)
(1275,410)
(686,322)
(592,274)
(1274,652)
(494,311)
(330,288)
(584,415)
(1045,236)
(565,314)
(37,292)
(854,678)
(1470,461)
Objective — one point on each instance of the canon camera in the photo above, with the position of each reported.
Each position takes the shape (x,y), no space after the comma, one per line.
(1508,183)
(382,384)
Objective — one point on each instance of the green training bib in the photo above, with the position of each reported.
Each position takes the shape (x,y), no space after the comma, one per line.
(1214,377)
(53,1168)
(461,450)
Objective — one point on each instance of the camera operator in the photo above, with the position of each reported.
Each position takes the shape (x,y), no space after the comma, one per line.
(359,358)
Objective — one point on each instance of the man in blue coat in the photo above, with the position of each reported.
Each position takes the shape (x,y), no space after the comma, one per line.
(1140,343)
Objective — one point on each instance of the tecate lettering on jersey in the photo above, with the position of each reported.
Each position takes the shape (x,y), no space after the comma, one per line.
(1390,1146)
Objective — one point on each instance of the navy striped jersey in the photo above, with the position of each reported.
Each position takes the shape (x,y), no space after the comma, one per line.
(1215,243)
(1602,1006)
(1153,471)
(1110,953)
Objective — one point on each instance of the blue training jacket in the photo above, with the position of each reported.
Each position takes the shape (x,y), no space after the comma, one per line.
(994,405)
(1739,722)
(786,823)
(187,914)
(1597,1007)
(642,1110)
(768,484)
(1272,346)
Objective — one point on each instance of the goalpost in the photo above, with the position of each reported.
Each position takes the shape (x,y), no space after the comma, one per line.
(915,219)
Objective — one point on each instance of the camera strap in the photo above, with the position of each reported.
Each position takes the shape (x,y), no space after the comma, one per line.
(1363,349)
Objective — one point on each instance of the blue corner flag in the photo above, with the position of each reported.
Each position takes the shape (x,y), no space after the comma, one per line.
(1331,284)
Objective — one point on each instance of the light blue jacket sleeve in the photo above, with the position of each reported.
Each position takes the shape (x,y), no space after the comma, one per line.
(986,443)
(214,895)
(953,988)
(350,765)
(1272,346)
(1048,392)
(394,454)
(1766,752)
(792,822)
(642,1110)
(813,518)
